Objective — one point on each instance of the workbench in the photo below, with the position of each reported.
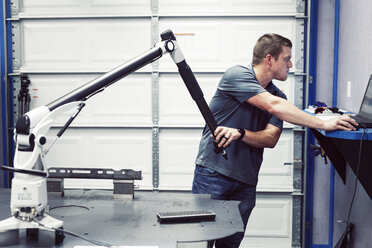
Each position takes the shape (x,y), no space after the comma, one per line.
(342,147)
(97,215)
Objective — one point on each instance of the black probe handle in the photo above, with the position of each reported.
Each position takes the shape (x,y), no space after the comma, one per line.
(197,94)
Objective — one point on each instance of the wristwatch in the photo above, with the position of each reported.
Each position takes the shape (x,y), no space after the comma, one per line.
(242,133)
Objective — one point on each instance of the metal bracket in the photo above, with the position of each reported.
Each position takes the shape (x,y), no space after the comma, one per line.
(154,7)
(124,189)
(16,45)
(297,143)
(297,199)
(16,88)
(297,195)
(155,158)
(300,6)
(155,98)
(155,38)
(299,87)
(14,9)
(94,173)
(300,45)
(55,185)
(297,164)
(123,179)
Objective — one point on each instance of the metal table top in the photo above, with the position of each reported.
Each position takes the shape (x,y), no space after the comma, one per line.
(95,214)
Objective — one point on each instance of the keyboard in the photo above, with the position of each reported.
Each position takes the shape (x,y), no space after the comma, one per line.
(186,216)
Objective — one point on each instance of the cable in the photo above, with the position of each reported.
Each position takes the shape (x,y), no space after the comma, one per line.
(68,206)
(72,234)
(356,177)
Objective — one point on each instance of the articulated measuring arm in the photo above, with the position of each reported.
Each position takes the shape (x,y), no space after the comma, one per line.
(168,44)
(29,193)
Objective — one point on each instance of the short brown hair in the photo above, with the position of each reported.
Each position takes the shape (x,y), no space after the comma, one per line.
(269,44)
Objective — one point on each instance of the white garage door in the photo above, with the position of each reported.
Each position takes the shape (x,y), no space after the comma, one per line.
(147,121)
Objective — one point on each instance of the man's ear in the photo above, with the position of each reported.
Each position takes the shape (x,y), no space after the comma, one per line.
(268,59)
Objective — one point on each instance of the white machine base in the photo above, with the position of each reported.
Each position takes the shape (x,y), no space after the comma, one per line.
(10,229)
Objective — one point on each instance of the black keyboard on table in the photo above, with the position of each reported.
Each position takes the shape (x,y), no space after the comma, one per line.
(186,216)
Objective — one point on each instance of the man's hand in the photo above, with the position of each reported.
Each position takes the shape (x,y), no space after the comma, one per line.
(342,122)
(225,135)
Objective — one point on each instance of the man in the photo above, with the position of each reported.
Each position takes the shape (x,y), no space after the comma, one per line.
(250,110)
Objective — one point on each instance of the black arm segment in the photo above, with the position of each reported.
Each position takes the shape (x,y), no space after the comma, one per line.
(108,78)
(194,89)
(24,171)
(197,94)
(70,120)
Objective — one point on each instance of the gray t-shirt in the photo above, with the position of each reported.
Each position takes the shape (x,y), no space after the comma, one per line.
(230,109)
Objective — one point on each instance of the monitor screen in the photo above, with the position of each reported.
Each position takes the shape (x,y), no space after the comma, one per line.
(366,107)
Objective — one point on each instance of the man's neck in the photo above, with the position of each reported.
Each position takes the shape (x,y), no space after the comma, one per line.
(263,76)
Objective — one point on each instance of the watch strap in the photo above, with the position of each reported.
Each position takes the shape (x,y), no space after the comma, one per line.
(242,133)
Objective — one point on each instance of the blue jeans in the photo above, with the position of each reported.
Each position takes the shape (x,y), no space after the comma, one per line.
(220,187)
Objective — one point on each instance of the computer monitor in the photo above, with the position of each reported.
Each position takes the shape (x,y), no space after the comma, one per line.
(366,107)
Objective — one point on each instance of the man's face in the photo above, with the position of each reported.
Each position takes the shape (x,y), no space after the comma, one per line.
(281,66)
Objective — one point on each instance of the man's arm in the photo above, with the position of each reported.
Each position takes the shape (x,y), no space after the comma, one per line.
(286,111)
(260,139)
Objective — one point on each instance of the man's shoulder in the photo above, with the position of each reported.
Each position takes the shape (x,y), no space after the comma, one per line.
(241,72)
(240,69)
(239,78)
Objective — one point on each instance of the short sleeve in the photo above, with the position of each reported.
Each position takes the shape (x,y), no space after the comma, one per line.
(241,83)
(276,122)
